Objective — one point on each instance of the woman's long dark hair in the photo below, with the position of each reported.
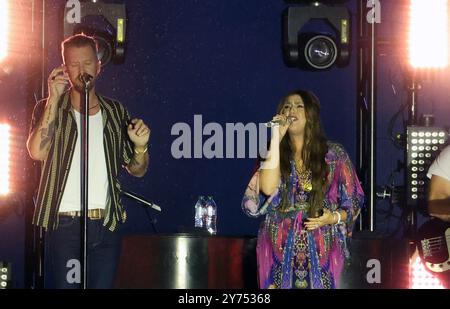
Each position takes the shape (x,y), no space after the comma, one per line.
(313,152)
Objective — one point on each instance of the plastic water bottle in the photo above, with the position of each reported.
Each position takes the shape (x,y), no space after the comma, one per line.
(200,209)
(211,216)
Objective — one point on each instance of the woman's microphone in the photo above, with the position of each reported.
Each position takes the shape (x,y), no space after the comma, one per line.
(273,123)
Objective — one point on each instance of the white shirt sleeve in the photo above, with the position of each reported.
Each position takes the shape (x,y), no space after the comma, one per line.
(441,166)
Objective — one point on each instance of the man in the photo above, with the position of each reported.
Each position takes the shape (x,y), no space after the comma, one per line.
(439,207)
(114,142)
(439,193)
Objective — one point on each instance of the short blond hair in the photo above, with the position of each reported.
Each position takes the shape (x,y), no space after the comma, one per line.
(78,40)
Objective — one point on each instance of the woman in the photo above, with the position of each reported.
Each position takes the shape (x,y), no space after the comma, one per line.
(311,200)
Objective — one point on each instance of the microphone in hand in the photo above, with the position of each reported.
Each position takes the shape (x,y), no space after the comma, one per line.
(273,123)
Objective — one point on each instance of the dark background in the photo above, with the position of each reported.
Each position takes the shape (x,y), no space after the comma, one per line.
(221,59)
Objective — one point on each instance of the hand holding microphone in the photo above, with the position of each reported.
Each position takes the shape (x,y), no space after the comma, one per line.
(57,82)
(280,121)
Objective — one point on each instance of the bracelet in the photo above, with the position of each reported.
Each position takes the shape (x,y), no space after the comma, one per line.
(142,152)
(339,216)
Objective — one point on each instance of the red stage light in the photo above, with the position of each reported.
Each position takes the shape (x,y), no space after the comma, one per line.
(421,278)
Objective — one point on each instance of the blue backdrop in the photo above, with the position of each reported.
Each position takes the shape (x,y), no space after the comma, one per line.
(222,60)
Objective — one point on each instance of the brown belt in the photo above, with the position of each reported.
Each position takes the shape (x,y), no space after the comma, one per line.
(94,214)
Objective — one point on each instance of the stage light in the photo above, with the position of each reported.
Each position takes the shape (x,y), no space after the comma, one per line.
(4,159)
(316,51)
(5,275)
(421,278)
(320,51)
(106,23)
(428,34)
(423,145)
(4,28)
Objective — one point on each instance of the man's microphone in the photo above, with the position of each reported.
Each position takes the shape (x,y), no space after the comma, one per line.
(273,123)
(85,78)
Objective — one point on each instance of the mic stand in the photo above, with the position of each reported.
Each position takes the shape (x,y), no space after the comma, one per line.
(141,200)
(38,255)
(84,163)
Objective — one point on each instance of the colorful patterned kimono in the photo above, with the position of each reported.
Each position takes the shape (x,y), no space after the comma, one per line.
(289,256)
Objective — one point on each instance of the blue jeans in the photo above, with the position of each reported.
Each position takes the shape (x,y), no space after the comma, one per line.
(64,254)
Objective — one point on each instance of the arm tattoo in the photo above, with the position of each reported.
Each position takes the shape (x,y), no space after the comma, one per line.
(46,135)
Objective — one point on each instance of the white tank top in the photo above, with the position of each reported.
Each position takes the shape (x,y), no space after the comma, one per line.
(98,178)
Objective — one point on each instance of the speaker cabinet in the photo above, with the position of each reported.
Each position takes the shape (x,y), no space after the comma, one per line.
(376,262)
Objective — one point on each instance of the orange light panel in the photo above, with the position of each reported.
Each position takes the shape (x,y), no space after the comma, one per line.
(428,34)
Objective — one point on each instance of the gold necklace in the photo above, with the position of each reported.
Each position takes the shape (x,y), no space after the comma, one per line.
(303,176)
(299,165)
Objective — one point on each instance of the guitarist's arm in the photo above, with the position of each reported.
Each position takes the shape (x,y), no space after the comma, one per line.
(439,198)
